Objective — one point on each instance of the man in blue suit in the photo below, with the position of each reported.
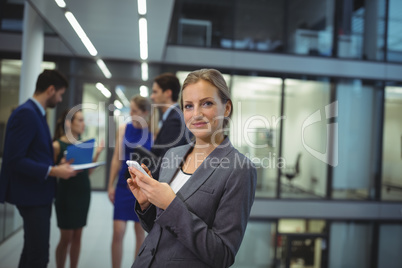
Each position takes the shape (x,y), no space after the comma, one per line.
(27,177)
(172,130)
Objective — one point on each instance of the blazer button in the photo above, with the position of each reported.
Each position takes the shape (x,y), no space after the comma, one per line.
(153,252)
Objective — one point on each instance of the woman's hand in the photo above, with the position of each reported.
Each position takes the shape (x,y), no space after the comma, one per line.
(111,194)
(159,194)
(100,148)
(142,199)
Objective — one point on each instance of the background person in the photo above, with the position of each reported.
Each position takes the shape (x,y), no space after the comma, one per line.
(172,130)
(197,213)
(73,195)
(28,172)
(135,133)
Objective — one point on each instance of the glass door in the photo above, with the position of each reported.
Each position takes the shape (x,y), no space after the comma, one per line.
(95,108)
(301,244)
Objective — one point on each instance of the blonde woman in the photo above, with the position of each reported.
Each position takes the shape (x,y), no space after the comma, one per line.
(129,136)
(197,213)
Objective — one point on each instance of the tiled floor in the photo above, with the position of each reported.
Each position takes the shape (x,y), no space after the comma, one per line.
(254,252)
(96,239)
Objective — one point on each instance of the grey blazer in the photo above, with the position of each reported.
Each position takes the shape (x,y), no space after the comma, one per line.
(205,223)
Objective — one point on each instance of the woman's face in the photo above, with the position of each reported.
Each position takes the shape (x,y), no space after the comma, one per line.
(137,115)
(78,124)
(204,111)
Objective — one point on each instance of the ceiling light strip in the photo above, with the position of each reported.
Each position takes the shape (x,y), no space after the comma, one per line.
(103,68)
(84,38)
(142,7)
(144,71)
(118,104)
(144,91)
(81,34)
(122,96)
(104,90)
(61,3)
(142,22)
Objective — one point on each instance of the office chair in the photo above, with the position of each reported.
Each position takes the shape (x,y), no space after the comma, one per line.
(292,172)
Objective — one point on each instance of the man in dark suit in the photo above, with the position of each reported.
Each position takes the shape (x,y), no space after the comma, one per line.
(172,130)
(27,177)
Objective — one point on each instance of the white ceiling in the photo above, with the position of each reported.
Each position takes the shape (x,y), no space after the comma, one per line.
(111,25)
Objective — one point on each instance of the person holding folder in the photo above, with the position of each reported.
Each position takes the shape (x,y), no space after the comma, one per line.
(28,172)
(72,196)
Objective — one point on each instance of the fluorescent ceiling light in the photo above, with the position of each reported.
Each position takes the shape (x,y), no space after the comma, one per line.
(103,68)
(118,104)
(144,51)
(122,96)
(104,90)
(143,38)
(81,34)
(144,91)
(142,7)
(142,22)
(144,71)
(61,3)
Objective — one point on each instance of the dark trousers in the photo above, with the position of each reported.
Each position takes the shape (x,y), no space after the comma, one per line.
(36,236)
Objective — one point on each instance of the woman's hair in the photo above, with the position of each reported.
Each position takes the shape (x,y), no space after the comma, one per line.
(213,77)
(144,105)
(60,130)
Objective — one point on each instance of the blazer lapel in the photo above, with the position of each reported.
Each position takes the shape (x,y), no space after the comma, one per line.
(173,163)
(205,170)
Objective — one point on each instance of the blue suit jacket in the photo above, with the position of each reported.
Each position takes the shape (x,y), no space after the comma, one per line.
(172,134)
(28,153)
(204,225)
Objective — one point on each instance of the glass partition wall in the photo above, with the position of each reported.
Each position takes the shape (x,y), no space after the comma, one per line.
(365,29)
(255,126)
(359,125)
(330,129)
(319,243)
(361,29)
(95,108)
(310,27)
(350,244)
(392,145)
(304,139)
(256,132)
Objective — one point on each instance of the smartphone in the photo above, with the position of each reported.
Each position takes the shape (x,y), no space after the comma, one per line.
(136,165)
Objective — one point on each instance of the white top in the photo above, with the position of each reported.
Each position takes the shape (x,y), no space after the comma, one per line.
(179,180)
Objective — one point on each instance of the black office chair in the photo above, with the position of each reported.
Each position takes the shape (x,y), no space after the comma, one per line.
(292,172)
